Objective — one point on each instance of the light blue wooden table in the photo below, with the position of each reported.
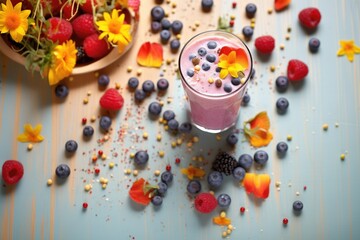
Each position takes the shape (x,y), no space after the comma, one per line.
(329,95)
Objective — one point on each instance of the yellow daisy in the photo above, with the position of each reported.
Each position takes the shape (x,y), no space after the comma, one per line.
(13,20)
(31,134)
(348,48)
(115,29)
(64,60)
(229,64)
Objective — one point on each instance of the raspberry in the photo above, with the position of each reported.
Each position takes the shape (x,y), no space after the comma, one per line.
(59,30)
(265,44)
(111,100)
(67,13)
(84,26)
(51,7)
(87,6)
(310,17)
(12,171)
(296,70)
(134,4)
(94,47)
(205,202)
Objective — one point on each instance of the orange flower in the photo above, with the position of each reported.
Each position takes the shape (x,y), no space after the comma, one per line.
(141,192)
(31,134)
(258,134)
(232,61)
(192,172)
(150,55)
(257,184)
(281,4)
(221,220)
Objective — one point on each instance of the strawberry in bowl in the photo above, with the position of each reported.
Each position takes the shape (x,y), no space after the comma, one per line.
(59,38)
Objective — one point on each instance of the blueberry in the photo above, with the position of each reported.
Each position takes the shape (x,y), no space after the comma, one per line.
(192,56)
(185,127)
(211,45)
(206,5)
(61,91)
(314,44)
(155,27)
(218,69)
(176,27)
(155,108)
(235,81)
(174,45)
(168,115)
(141,157)
(165,36)
(224,200)
(250,10)
(148,86)
(88,131)
(140,95)
(165,24)
(157,13)
(261,157)
(62,171)
(298,206)
(194,187)
(205,66)
(71,146)
(173,124)
(246,98)
(190,72)
(211,58)
(247,31)
(105,122)
(162,84)
(157,200)
(215,179)
(162,187)
(282,83)
(232,139)
(103,80)
(227,87)
(133,83)
(202,51)
(239,173)
(282,147)
(167,177)
(282,105)
(245,161)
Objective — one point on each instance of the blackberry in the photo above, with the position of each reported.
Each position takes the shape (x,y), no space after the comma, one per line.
(81,56)
(224,163)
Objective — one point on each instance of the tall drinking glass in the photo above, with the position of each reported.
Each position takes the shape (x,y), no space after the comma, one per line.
(215,68)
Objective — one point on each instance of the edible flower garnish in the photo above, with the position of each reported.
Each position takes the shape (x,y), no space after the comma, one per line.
(115,29)
(63,62)
(281,4)
(13,20)
(141,192)
(150,55)
(31,134)
(192,172)
(257,184)
(258,134)
(222,220)
(232,61)
(348,48)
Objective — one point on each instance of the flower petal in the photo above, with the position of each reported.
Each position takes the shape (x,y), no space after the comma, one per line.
(257,184)
(222,221)
(281,4)
(137,194)
(261,120)
(260,138)
(150,55)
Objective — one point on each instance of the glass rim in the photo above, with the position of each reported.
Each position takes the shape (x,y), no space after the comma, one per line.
(226,94)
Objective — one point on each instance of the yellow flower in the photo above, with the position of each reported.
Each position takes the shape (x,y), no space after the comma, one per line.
(348,48)
(31,134)
(13,20)
(63,62)
(192,172)
(115,29)
(258,134)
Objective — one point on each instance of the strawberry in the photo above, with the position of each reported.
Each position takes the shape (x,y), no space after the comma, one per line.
(87,5)
(265,44)
(12,171)
(94,47)
(84,26)
(111,100)
(134,4)
(59,30)
(310,17)
(297,70)
(205,202)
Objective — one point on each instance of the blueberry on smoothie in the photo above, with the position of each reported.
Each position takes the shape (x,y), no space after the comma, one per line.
(235,81)
(211,58)
(202,51)
(190,72)
(205,66)
(192,56)
(211,45)
(227,87)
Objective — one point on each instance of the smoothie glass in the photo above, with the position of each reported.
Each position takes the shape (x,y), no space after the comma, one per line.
(214,100)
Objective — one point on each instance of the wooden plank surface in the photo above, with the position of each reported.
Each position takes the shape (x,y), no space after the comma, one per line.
(330,94)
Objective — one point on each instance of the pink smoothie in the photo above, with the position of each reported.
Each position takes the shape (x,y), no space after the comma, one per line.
(213,108)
